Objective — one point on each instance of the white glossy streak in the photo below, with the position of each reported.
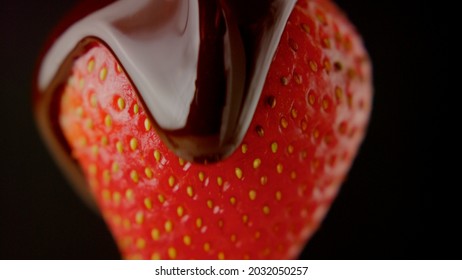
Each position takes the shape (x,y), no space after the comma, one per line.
(139,52)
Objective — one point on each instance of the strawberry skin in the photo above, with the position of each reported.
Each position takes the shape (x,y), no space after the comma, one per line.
(267,198)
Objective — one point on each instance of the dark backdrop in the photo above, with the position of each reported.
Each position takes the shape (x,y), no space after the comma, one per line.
(385,210)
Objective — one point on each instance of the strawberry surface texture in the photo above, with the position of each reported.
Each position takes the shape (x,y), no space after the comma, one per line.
(270,195)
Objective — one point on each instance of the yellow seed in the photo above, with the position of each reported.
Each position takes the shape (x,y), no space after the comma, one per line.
(92,169)
(201,176)
(126,224)
(294,113)
(206,246)
(108,120)
(136,108)
(327,65)
(256,163)
(316,133)
(129,195)
(161,198)
(155,234)
(305,27)
(209,203)
(157,155)
(219,181)
(103,74)
(232,200)
(245,218)
(121,103)
(252,194)
(339,93)
(118,68)
(350,100)
(311,98)
(115,167)
(314,66)
(325,104)
(278,195)
(139,217)
(221,256)
(257,234)
(266,210)
(148,172)
(168,226)
(180,161)
(104,141)
(147,124)
(172,252)
(244,148)
(148,203)
(94,150)
(89,123)
(290,149)
(284,123)
(238,172)
(199,222)
(270,101)
(140,243)
(116,197)
(106,195)
(81,83)
(260,131)
(297,78)
(133,144)
(106,176)
(263,180)
(293,175)
(179,211)
(93,100)
(91,65)
(79,111)
(189,191)
(233,238)
(303,125)
(279,168)
(187,240)
(155,256)
(274,147)
(71,81)
(171,181)
(134,176)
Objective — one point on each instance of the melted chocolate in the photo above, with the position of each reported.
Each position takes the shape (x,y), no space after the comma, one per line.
(199,65)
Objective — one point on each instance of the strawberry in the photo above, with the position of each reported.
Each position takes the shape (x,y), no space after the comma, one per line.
(268,197)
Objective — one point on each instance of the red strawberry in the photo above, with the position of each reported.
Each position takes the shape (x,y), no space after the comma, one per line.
(267,198)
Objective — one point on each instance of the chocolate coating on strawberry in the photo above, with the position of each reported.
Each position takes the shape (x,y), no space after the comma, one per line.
(199,65)
(268,197)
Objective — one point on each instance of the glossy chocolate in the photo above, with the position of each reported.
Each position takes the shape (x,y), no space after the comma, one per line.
(199,65)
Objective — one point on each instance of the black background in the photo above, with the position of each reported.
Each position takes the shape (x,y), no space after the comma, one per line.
(387,209)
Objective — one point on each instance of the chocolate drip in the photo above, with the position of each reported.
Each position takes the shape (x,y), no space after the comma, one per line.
(199,65)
